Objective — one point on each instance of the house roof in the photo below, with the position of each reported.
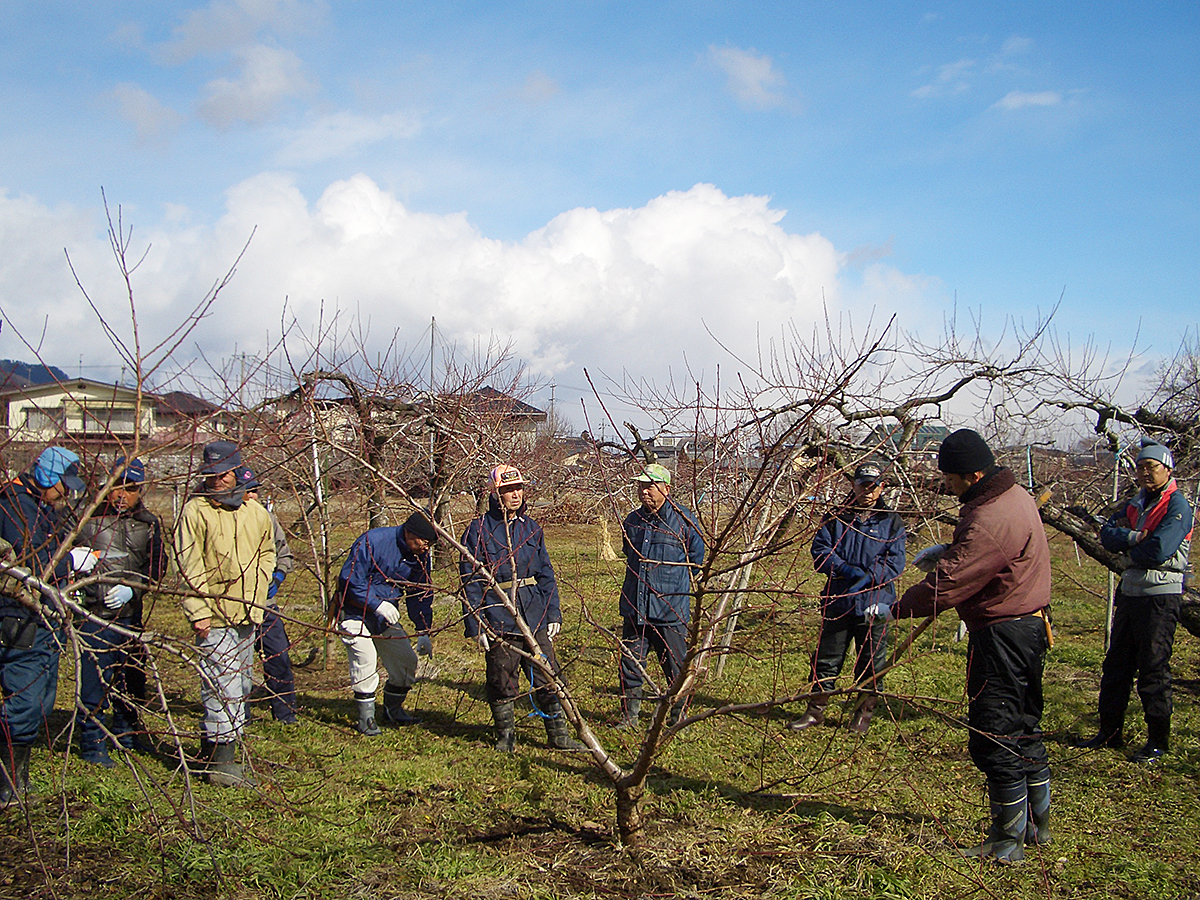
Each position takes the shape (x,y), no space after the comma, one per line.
(185,404)
(68,386)
(489,400)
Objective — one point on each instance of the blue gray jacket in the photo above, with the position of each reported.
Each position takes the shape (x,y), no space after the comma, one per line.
(662,552)
(496,547)
(1156,564)
(35,530)
(861,555)
(380,567)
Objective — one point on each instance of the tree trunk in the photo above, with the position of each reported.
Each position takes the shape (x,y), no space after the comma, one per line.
(630,820)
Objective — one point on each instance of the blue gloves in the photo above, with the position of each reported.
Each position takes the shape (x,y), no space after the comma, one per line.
(424,645)
(859,582)
(276,581)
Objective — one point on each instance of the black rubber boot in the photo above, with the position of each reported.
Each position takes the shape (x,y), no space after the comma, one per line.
(366,714)
(1113,739)
(557,732)
(394,712)
(1005,841)
(631,712)
(225,770)
(506,726)
(1038,790)
(1158,741)
(813,716)
(863,714)
(14,773)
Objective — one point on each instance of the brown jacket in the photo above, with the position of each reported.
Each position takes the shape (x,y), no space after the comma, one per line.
(998,565)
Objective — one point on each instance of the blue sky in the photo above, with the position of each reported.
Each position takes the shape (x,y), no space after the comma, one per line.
(605,182)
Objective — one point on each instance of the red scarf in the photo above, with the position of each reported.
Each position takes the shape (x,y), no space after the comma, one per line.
(1147,520)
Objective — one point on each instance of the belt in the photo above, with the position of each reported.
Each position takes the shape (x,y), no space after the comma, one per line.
(521,582)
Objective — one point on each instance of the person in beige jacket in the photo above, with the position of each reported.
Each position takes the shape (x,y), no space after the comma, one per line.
(226,548)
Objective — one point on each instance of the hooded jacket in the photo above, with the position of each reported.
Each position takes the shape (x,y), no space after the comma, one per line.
(1157,563)
(998,565)
(521,548)
(35,530)
(662,551)
(226,556)
(379,568)
(849,541)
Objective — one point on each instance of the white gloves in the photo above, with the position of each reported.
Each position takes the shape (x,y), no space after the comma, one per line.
(482,640)
(927,559)
(553,629)
(118,595)
(83,560)
(388,612)
(880,610)
(424,645)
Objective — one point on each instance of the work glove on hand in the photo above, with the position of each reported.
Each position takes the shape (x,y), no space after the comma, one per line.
(483,643)
(553,629)
(847,571)
(388,612)
(117,596)
(276,582)
(83,560)
(880,610)
(861,583)
(424,645)
(927,559)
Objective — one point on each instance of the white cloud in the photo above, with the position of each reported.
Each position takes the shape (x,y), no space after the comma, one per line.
(753,78)
(226,25)
(630,289)
(952,78)
(266,77)
(338,134)
(1023,99)
(153,120)
(538,88)
(1016,46)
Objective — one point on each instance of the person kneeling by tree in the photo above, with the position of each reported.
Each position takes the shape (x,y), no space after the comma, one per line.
(859,547)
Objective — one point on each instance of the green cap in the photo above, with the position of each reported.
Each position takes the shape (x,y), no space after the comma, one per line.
(654,472)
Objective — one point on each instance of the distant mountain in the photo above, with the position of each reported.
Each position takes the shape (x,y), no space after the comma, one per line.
(14,373)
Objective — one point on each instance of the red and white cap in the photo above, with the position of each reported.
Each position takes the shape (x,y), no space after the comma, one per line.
(505,476)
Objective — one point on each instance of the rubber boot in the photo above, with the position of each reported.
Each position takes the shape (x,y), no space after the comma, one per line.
(1158,741)
(557,732)
(14,773)
(93,744)
(506,726)
(1005,841)
(676,714)
(1112,738)
(863,713)
(366,714)
(629,715)
(813,716)
(125,728)
(1038,790)
(225,770)
(394,712)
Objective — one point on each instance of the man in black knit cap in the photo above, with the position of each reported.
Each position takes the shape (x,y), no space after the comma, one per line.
(996,574)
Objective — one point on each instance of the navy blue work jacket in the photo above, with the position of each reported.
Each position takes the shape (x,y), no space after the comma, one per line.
(380,567)
(496,548)
(35,530)
(662,552)
(848,540)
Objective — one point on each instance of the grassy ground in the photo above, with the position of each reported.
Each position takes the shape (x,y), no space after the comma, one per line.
(737,807)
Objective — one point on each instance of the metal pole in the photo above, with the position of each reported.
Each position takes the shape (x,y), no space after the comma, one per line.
(1112,579)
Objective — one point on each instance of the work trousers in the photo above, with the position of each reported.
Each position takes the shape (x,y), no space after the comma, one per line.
(504,664)
(29,681)
(104,655)
(668,640)
(365,652)
(226,655)
(1143,635)
(273,645)
(1004,695)
(870,642)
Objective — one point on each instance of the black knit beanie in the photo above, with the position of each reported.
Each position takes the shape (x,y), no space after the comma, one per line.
(965,451)
(418,525)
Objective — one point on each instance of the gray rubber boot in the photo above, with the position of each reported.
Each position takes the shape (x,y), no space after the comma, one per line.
(506,725)
(631,712)
(225,770)
(1038,790)
(14,773)
(813,716)
(557,731)
(1005,841)
(366,714)
(394,712)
